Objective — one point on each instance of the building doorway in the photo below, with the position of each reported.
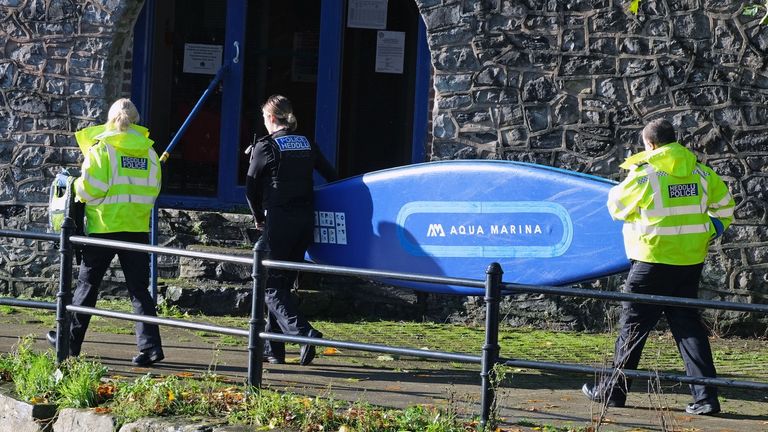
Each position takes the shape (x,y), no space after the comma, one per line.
(359,90)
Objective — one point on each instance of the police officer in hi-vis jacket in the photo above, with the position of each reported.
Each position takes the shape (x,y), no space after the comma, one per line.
(672,207)
(119,183)
(279,190)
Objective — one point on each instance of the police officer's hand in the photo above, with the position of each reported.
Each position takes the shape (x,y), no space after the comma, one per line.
(260,225)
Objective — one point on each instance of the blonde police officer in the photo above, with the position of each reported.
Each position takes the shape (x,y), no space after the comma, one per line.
(672,207)
(119,184)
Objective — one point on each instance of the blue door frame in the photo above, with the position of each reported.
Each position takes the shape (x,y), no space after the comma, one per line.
(229,194)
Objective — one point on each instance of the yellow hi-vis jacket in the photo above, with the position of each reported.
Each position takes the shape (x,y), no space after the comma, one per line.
(120,179)
(666,202)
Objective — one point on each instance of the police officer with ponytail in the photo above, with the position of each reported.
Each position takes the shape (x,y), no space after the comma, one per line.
(279,190)
(119,184)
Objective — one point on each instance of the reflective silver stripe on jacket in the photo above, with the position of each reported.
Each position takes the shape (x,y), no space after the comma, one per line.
(93,181)
(722,212)
(669,231)
(80,191)
(672,211)
(115,178)
(128,198)
(660,211)
(704,188)
(653,180)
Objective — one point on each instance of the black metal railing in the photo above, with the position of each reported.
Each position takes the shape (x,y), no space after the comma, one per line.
(493,285)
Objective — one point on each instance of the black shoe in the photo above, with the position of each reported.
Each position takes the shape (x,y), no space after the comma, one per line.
(308,351)
(51,338)
(704,407)
(148,357)
(268,358)
(591,392)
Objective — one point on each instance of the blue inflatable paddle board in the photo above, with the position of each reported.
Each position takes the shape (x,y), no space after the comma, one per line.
(545,226)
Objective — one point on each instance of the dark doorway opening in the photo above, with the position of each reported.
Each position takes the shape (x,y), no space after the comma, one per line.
(376,112)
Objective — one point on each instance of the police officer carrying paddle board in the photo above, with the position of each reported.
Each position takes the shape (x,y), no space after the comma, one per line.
(672,207)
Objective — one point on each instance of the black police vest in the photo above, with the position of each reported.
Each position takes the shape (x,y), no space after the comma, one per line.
(290,176)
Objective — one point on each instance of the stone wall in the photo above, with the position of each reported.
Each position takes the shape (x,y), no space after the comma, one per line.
(61,61)
(571,84)
(564,83)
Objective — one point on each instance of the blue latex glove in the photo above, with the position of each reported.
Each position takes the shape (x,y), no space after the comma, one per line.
(718,227)
(62,178)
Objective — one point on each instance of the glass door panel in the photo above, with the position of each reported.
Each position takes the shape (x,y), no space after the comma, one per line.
(188,51)
(281,57)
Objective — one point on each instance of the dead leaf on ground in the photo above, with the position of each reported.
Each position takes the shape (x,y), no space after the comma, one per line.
(105,391)
(329,351)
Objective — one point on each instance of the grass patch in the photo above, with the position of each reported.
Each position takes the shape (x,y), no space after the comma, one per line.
(734,357)
(111,326)
(77,384)
(8,310)
(233,341)
(269,410)
(37,378)
(551,428)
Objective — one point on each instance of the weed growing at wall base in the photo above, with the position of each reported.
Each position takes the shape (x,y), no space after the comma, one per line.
(78,383)
(273,410)
(211,397)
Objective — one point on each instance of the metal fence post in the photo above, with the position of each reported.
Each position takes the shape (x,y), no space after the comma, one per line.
(64,296)
(255,343)
(491,347)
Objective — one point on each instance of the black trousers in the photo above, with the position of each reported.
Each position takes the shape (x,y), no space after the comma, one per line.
(288,232)
(638,319)
(135,267)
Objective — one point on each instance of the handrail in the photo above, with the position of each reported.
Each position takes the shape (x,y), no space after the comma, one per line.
(138,247)
(641,298)
(352,271)
(494,289)
(148,319)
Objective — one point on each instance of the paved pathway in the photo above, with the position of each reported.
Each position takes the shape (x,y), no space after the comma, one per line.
(553,399)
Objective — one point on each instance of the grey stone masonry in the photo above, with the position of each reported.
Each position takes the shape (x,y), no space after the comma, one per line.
(61,62)
(571,84)
(565,83)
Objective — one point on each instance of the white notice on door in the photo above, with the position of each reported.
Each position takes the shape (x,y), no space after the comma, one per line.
(202,58)
(390,51)
(370,14)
